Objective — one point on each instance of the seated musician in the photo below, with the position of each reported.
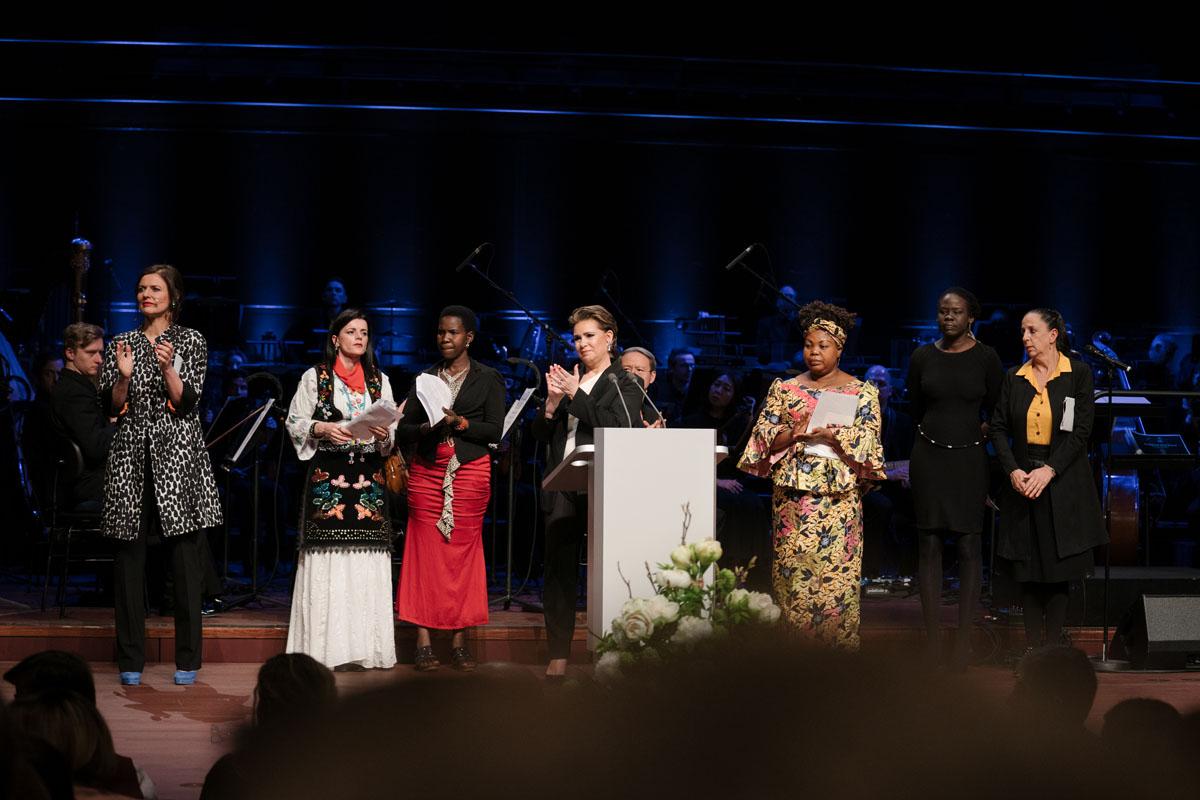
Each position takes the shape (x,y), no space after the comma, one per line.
(79,414)
(641,364)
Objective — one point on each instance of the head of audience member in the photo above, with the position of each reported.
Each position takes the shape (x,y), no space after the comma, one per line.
(234,385)
(721,394)
(1056,689)
(350,339)
(641,364)
(786,305)
(333,297)
(879,376)
(1151,734)
(457,326)
(83,349)
(826,328)
(46,367)
(159,293)
(20,777)
(73,727)
(234,360)
(1044,335)
(52,669)
(292,686)
(681,363)
(1162,350)
(953,734)
(957,311)
(594,330)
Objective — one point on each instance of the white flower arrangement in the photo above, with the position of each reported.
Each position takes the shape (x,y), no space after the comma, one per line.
(684,611)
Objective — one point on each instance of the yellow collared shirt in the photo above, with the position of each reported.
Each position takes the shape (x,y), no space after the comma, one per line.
(1039,419)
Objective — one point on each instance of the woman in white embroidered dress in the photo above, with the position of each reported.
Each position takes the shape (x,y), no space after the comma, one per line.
(341,605)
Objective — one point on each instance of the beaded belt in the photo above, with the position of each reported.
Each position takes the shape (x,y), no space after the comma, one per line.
(943,445)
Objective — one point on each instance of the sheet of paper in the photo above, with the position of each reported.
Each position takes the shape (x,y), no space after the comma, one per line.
(833,408)
(515,411)
(379,414)
(434,395)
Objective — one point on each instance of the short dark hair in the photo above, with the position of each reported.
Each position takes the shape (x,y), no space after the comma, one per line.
(1054,320)
(677,352)
(81,334)
(342,320)
(52,669)
(292,684)
(974,308)
(174,280)
(1059,680)
(469,320)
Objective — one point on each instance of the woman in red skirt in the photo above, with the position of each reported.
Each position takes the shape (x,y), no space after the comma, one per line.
(443,579)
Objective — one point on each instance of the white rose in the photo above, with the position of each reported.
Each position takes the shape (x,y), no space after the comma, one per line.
(637,626)
(682,556)
(662,610)
(632,605)
(708,551)
(738,597)
(692,629)
(673,579)
(762,606)
(608,668)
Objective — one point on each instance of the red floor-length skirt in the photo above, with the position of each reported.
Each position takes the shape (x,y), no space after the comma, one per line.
(443,584)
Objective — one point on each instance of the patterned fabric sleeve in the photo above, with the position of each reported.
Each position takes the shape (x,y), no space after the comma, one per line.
(862,448)
(300,416)
(756,458)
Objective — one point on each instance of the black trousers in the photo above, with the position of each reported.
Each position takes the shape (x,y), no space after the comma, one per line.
(566,529)
(129,578)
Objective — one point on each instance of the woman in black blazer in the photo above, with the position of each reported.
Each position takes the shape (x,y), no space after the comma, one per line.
(443,578)
(1050,517)
(601,396)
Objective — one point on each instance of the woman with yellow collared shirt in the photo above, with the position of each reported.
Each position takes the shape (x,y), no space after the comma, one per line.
(1050,517)
(817,501)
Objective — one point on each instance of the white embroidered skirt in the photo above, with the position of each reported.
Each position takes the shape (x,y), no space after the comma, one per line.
(342,608)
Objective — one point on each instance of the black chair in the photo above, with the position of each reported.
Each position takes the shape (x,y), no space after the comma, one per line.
(68,526)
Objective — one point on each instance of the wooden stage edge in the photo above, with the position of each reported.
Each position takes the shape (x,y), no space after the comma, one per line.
(518,637)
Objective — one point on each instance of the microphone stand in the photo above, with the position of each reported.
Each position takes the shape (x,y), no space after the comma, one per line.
(552,337)
(1103,664)
(740,261)
(514,451)
(616,307)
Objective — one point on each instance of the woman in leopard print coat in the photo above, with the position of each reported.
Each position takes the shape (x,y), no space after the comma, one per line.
(159,480)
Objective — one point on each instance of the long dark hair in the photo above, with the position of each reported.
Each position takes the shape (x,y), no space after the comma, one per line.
(340,321)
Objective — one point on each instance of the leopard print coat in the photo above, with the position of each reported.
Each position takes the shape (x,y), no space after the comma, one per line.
(183,478)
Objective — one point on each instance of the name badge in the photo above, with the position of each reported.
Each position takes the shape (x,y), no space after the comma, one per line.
(1068,417)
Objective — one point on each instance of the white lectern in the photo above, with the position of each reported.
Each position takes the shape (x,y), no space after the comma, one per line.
(638,481)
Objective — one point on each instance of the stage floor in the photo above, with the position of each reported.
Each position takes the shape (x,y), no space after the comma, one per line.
(890,623)
(176,733)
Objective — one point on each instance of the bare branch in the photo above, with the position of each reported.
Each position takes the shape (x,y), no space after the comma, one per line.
(687,521)
(628,585)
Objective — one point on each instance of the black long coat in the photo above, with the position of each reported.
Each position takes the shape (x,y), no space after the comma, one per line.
(1078,519)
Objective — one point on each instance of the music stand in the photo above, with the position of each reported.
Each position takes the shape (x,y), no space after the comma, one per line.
(254,436)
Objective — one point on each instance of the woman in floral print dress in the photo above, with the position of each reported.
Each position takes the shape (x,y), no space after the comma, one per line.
(817,501)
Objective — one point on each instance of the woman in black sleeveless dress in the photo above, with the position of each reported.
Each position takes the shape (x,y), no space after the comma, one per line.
(952,384)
